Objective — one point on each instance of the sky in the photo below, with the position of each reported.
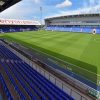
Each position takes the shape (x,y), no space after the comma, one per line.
(30,9)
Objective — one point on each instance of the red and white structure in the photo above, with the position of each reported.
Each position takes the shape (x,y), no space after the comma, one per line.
(18,22)
(13,25)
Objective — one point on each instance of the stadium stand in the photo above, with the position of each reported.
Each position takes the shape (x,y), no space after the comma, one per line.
(12,25)
(85,23)
(17,28)
(73,29)
(33,83)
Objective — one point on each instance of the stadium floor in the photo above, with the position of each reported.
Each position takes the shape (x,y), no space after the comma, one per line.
(79,49)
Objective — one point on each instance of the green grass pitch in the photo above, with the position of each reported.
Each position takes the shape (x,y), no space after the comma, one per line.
(79,49)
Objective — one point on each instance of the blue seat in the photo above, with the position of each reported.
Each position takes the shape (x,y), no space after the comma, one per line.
(73,29)
(43,80)
(42,87)
(5,88)
(13,82)
(33,97)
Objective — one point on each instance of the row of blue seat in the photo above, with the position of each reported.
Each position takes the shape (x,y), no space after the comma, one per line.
(16,30)
(7,54)
(5,88)
(73,29)
(20,78)
(6,29)
(41,82)
(19,92)
(36,81)
(29,79)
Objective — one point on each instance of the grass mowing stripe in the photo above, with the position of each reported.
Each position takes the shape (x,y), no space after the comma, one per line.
(87,75)
(69,47)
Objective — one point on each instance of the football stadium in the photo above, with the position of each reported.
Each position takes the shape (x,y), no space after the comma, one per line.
(57,61)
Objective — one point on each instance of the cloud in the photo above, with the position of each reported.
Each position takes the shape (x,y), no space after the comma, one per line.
(86,10)
(30,9)
(90,7)
(92,2)
(21,10)
(66,3)
(37,1)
